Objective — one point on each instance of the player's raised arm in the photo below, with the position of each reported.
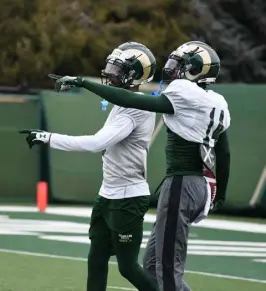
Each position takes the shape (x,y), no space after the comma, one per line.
(118,96)
(129,99)
(108,136)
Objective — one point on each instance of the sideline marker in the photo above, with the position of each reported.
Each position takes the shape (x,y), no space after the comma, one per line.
(42,196)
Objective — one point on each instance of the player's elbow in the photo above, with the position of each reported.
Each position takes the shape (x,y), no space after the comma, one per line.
(226,155)
(97,147)
(223,153)
(94,145)
(96,150)
(223,162)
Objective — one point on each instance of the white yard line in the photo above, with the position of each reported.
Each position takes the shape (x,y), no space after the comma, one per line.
(260,260)
(115,263)
(120,288)
(222,224)
(41,255)
(226,276)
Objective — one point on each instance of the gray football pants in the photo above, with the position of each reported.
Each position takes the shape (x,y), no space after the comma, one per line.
(182,200)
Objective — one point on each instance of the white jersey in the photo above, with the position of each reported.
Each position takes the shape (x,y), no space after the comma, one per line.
(125,163)
(199,115)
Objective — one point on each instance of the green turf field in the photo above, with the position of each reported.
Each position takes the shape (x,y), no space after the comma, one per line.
(47,251)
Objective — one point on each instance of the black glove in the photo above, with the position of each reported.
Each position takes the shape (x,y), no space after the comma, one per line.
(217,204)
(36,136)
(66,82)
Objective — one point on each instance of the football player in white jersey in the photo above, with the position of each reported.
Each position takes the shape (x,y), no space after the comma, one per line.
(196,120)
(116,225)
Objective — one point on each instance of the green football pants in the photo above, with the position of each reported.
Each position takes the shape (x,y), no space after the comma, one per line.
(117,229)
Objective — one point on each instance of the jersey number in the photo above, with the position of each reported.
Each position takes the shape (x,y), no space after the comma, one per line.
(215,132)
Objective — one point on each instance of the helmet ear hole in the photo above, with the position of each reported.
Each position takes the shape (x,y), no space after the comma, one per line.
(195,70)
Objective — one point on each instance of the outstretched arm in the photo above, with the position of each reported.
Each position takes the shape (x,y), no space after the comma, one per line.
(118,96)
(108,136)
(128,99)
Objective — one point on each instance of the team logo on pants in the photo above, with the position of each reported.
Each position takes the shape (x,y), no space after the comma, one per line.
(125,238)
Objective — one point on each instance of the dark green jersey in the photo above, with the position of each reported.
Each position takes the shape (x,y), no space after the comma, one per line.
(182,156)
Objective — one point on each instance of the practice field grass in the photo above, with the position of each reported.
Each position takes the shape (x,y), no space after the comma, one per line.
(47,251)
(24,272)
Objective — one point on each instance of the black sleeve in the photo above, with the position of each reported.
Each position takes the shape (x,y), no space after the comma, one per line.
(128,99)
(222,152)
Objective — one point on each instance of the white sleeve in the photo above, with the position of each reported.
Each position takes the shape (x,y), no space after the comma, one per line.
(109,135)
(179,94)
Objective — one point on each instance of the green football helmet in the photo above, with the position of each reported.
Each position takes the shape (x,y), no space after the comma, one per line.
(195,61)
(131,64)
